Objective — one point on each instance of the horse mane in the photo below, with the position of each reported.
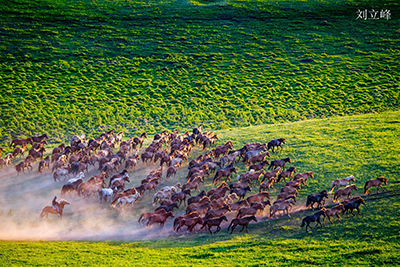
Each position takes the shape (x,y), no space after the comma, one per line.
(382,179)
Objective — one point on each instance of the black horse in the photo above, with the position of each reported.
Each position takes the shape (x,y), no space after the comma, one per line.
(317,198)
(276,143)
(313,218)
(355,204)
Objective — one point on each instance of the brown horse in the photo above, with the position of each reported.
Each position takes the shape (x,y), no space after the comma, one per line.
(265,185)
(203,201)
(43,164)
(49,209)
(159,218)
(258,197)
(193,184)
(216,190)
(244,222)
(279,163)
(223,150)
(139,140)
(21,142)
(146,215)
(189,222)
(304,175)
(215,213)
(252,211)
(334,212)
(286,174)
(258,158)
(22,165)
(344,192)
(259,166)
(271,174)
(342,182)
(214,222)
(239,204)
(281,205)
(375,182)
(225,172)
(19,151)
(37,139)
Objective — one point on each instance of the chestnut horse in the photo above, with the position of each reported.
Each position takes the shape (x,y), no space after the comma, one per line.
(334,212)
(139,140)
(375,182)
(49,209)
(344,192)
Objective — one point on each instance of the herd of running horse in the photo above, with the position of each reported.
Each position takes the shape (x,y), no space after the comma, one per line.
(206,209)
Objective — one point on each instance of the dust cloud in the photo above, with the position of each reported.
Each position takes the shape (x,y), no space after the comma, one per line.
(22,198)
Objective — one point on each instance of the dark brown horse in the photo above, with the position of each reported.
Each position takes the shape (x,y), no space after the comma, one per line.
(353,204)
(313,218)
(21,142)
(276,143)
(286,174)
(214,222)
(225,172)
(37,139)
(279,163)
(244,222)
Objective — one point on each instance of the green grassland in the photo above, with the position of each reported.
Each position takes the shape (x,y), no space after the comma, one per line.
(254,70)
(69,66)
(364,145)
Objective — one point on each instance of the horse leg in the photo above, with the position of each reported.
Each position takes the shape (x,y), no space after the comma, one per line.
(218,229)
(337,215)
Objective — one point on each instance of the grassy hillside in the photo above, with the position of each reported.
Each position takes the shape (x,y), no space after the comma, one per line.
(69,66)
(364,145)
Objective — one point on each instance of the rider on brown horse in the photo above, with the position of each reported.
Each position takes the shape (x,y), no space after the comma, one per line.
(55,203)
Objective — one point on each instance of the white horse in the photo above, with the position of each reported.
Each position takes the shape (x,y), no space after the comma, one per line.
(107,194)
(80,176)
(341,182)
(60,172)
(165,193)
(127,201)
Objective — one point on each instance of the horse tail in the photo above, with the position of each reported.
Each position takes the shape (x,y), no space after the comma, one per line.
(335,196)
(332,186)
(303,223)
(270,166)
(366,187)
(279,178)
(308,201)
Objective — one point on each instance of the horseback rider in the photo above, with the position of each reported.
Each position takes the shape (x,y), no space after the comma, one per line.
(55,204)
